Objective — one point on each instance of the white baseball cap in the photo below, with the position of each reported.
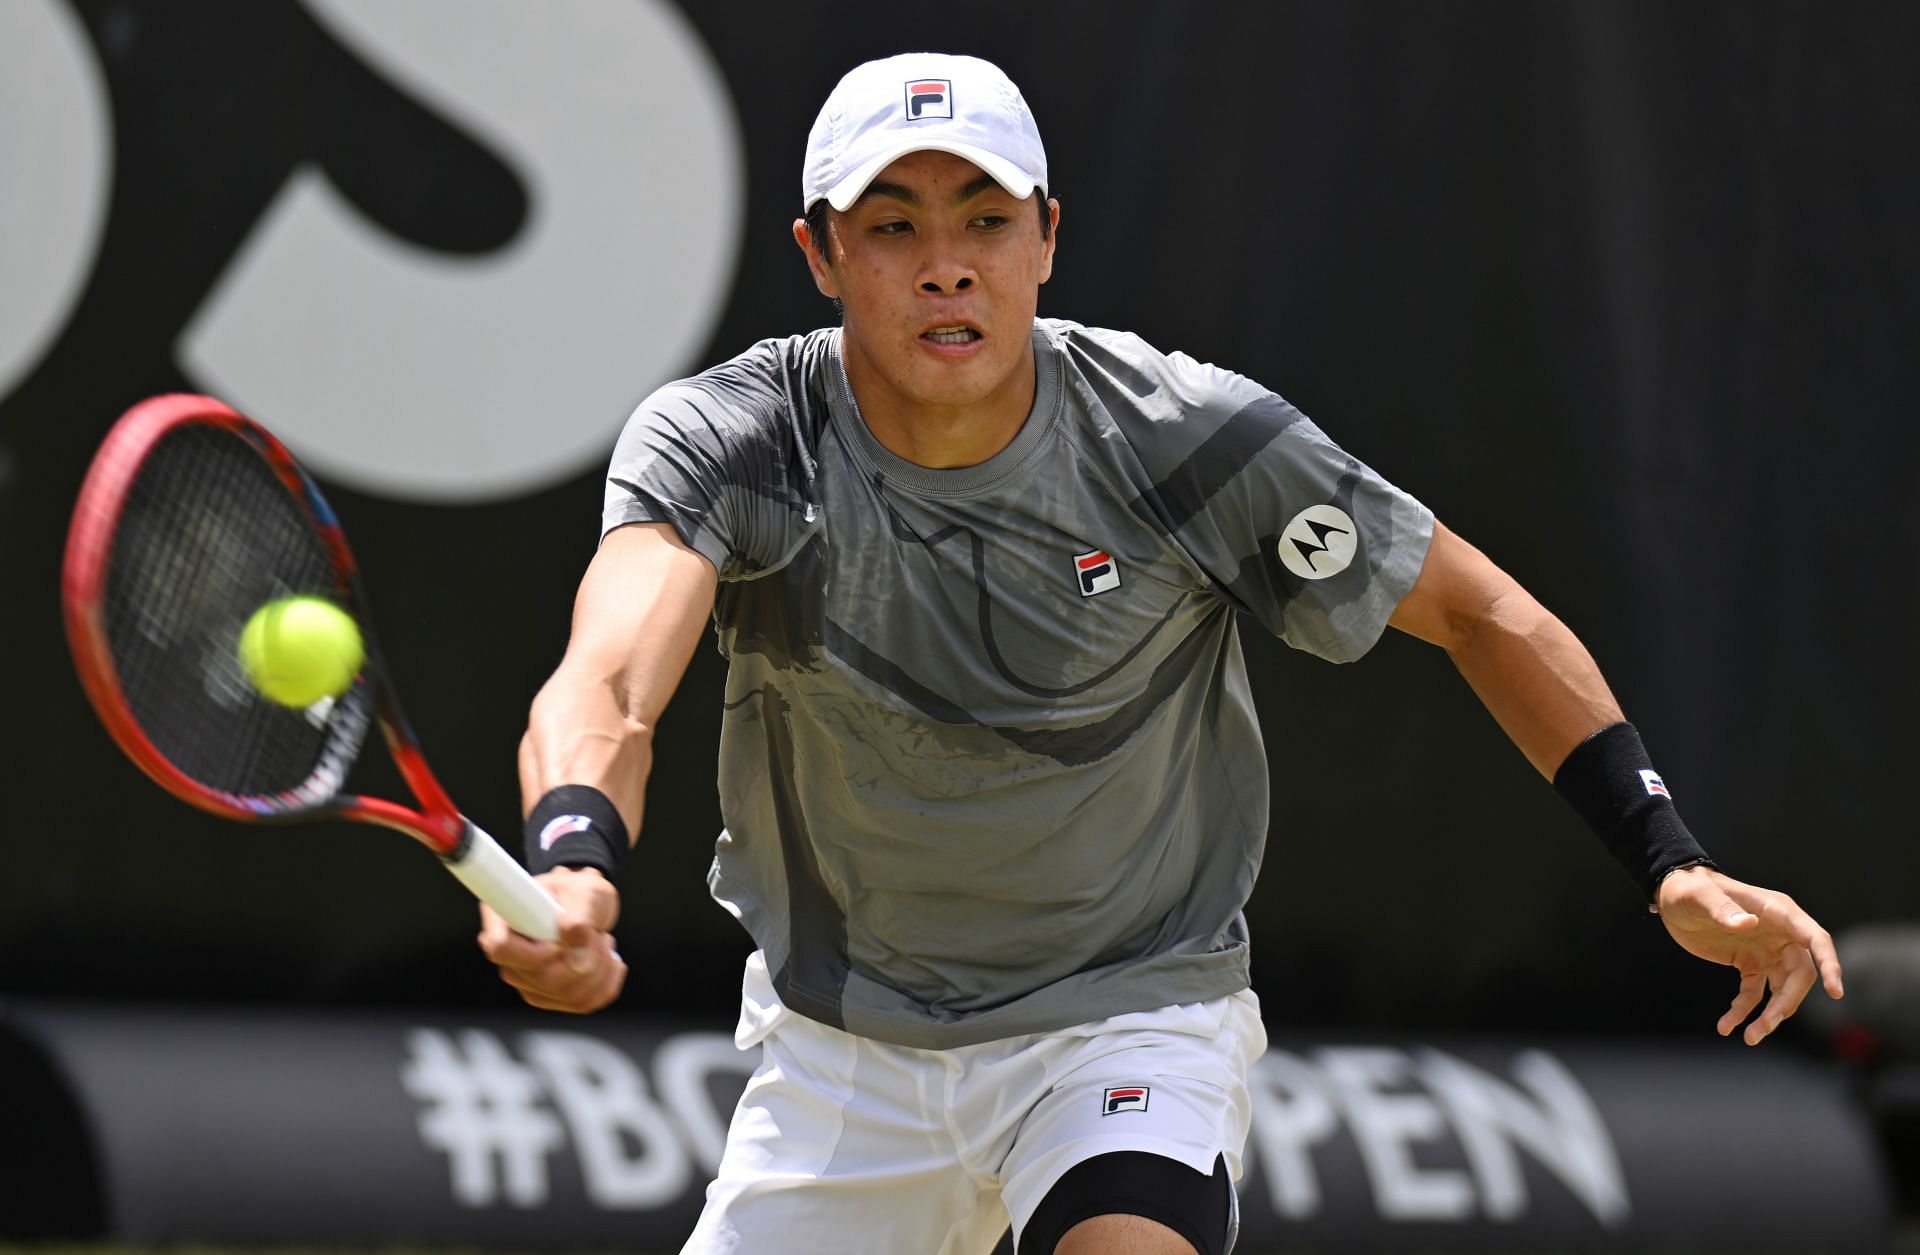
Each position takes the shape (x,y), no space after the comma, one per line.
(883,110)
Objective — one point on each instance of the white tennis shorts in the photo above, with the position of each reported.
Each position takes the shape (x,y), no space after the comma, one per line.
(850,1146)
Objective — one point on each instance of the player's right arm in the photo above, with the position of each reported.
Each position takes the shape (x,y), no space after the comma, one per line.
(641,610)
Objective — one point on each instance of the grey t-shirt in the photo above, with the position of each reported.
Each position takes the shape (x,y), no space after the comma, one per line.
(989,764)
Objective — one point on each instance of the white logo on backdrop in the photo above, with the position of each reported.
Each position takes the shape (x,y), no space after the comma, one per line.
(413,374)
(56,147)
(1394,1101)
(501,1116)
(499,1119)
(484,1111)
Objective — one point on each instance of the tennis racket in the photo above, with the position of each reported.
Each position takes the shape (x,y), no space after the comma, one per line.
(190,519)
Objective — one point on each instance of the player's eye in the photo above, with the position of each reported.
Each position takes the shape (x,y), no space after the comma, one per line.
(991,222)
(892,228)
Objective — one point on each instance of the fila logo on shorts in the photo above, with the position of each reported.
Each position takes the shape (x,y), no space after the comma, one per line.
(560,826)
(1656,787)
(1097,571)
(1318,542)
(1127,1098)
(930,98)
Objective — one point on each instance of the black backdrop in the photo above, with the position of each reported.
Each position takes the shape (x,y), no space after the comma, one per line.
(1627,293)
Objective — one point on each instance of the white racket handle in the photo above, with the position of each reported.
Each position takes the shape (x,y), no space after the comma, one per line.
(497,879)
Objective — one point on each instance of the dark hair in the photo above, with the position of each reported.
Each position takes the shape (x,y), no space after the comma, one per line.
(817,222)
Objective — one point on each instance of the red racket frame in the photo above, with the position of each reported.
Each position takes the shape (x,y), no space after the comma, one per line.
(103,497)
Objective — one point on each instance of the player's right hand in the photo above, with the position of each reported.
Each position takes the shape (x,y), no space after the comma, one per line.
(579,973)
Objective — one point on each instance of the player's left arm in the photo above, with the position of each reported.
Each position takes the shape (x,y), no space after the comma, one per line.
(1544,689)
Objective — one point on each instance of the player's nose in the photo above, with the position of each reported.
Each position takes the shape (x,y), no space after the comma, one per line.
(956,279)
(947,268)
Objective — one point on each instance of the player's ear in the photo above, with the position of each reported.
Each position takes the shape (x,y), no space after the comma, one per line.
(1053,235)
(816,254)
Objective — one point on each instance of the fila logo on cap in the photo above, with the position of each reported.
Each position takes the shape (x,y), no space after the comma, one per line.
(1656,787)
(1318,542)
(561,826)
(1128,1098)
(1097,571)
(929,98)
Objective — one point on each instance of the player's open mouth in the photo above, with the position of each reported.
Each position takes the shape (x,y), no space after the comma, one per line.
(951,335)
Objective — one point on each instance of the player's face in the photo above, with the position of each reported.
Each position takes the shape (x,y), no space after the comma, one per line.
(939,270)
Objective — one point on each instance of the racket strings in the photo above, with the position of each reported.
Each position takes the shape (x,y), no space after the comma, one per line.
(208,535)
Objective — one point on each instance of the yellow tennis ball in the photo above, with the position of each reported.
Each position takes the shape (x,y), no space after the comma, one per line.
(298,650)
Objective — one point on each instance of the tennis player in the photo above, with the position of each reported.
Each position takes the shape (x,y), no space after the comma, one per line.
(993,788)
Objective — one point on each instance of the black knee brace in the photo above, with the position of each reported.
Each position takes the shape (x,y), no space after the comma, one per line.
(1201,1209)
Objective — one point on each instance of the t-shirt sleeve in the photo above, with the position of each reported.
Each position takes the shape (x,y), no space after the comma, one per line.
(717,467)
(1291,529)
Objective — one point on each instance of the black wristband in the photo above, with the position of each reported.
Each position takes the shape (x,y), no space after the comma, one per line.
(1611,782)
(575,825)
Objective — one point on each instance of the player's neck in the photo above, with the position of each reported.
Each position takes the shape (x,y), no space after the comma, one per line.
(941,437)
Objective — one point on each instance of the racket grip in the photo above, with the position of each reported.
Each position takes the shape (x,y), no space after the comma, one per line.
(497,879)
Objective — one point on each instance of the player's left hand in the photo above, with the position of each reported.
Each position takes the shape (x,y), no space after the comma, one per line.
(1763,933)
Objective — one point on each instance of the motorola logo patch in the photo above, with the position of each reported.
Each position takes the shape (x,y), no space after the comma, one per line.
(1319,542)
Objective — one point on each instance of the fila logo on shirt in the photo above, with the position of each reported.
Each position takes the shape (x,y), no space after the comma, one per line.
(1656,787)
(1096,571)
(930,98)
(1318,542)
(1127,1098)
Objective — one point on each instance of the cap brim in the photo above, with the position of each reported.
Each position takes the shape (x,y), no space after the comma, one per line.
(842,194)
